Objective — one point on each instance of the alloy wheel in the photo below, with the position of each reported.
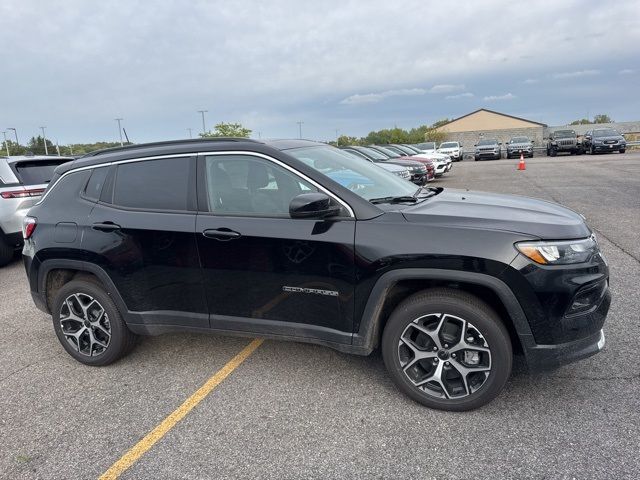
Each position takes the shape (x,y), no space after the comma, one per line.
(444,356)
(85,324)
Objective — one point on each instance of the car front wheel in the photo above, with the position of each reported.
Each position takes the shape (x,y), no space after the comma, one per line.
(89,325)
(447,350)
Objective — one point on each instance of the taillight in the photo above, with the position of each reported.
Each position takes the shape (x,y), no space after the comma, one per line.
(34,192)
(28,226)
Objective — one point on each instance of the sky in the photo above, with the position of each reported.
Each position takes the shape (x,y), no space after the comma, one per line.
(346,66)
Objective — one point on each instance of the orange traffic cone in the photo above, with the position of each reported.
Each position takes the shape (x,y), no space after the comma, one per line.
(522,165)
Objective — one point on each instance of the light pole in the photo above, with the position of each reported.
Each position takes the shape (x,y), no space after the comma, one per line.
(202,112)
(190,134)
(119,130)
(6,145)
(300,128)
(44,138)
(16,134)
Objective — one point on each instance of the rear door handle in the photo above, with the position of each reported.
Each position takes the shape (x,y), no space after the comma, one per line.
(105,227)
(222,234)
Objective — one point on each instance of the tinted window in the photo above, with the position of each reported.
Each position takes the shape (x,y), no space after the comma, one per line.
(153,184)
(38,172)
(245,185)
(95,183)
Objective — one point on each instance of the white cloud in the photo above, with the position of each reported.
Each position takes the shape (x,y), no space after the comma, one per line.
(627,71)
(446,88)
(576,74)
(493,98)
(359,99)
(283,61)
(459,95)
(531,81)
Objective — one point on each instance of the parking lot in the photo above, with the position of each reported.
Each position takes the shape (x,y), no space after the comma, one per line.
(301,411)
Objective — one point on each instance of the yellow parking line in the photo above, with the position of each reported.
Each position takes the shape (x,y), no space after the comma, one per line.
(140,448)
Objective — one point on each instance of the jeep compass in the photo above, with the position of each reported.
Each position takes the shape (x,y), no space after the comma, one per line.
(265,239)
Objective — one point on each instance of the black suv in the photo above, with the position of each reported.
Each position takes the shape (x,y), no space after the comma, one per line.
(262,238)
(604,140)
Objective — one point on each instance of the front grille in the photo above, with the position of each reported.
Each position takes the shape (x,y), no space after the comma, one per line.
(611,142)
(565,143)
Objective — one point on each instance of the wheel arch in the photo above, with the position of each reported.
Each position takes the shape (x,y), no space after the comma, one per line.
(55,273)
(396,285)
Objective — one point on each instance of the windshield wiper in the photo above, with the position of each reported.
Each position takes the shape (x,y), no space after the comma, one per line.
(401,199)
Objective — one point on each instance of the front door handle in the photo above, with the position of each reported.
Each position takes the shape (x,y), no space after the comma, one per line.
(222,234)
(105,226)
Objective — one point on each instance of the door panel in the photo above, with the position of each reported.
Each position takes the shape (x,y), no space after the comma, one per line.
(279,269)
(151,256)
(260,266)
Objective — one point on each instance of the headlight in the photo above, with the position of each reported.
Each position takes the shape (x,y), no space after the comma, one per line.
(559,253)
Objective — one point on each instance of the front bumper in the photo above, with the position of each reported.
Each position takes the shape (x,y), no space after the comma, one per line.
(609,147)
(546,357)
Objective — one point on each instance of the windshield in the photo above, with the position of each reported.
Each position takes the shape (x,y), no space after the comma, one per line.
(376,155)
(358,175)
(427,146)
(520,140)
(564,134)
(388,152)
(37,172)
(449,145)
(605,132)
(406,150)
(488,141)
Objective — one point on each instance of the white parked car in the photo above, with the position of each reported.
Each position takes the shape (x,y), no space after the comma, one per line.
(453,149)
(426,147)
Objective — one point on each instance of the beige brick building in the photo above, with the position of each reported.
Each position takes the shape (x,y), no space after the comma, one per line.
(483,123)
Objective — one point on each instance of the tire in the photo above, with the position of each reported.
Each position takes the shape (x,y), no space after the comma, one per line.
(622,150)
(553,152)
(82,299)
(591,150)
(6,252)
(450,308)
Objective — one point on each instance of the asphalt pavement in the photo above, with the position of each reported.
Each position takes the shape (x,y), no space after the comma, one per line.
(303,411)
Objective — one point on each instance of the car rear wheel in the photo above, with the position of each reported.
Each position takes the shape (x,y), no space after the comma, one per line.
(448,350)
(89,325)
(6,252)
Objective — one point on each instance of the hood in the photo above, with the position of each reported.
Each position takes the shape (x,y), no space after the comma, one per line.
(519,145)
(492,211)
(392,167)
(404,162)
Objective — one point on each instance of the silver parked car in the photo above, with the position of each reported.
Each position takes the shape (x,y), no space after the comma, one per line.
(23,179)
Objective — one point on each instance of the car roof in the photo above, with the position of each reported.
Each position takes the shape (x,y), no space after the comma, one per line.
(175,147)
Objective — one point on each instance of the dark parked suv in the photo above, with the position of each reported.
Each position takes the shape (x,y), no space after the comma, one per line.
(242,237)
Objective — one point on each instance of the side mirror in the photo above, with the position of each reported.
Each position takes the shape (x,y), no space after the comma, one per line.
(312,205)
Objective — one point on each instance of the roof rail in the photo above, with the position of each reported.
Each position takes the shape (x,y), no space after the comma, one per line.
(167,142)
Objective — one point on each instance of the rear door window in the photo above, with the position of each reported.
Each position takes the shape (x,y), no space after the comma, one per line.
(37,172)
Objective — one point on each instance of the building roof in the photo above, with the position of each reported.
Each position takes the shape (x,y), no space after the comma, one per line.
(495,113)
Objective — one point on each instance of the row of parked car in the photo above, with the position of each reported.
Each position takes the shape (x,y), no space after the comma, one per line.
(407,161)
(594,141)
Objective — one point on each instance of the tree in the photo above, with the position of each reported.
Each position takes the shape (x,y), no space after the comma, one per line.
(227,130)
(582,121)
(602,118)
(344,140)
(14,148)
(36,146)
